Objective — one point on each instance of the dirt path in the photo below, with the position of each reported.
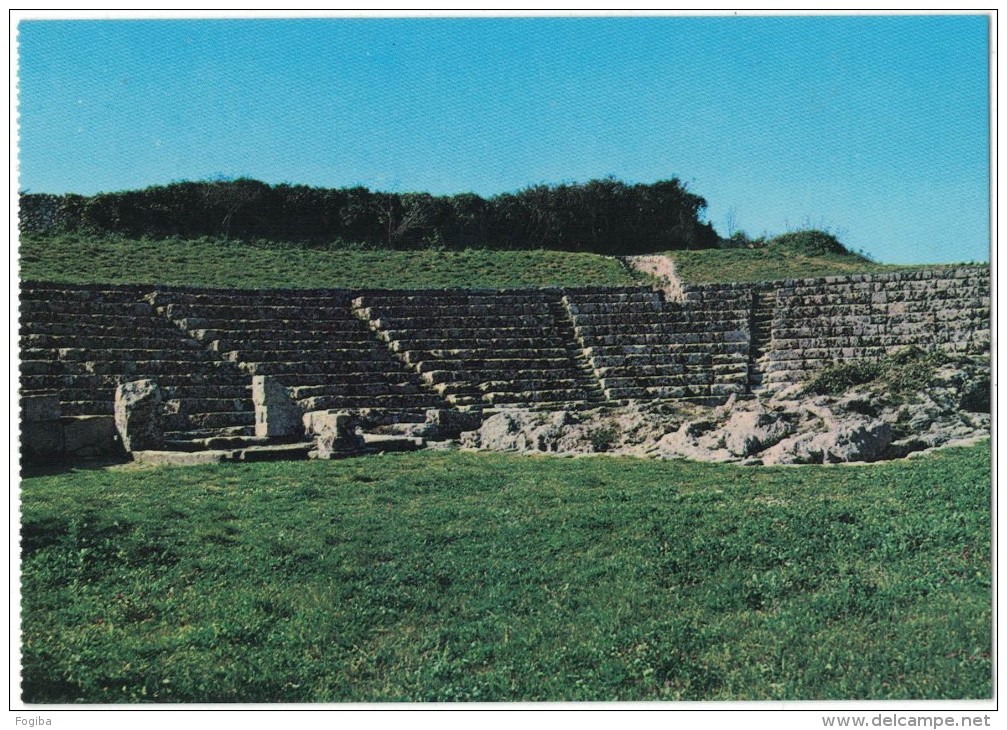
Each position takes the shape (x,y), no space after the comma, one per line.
(660,267)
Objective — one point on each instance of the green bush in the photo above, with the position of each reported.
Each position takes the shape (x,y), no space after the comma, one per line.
(908,370)
(603,439)
(839,378)
(601,216)
(810,242)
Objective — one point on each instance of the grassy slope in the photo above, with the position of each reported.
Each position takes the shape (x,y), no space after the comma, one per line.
(766,264)
(453,576)
(210,262)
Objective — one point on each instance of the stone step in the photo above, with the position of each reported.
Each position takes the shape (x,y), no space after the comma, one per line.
(663,349)
(358,388)
(58,308)
(196,434)
(653,305)
(79,296)
(544,335)
(485,345)
(602,359)
(86,407)
(175,339)
(77,354)
(452,311)
(613,343)
(420,301)
(367,402)
(133,370)
(337,379)
(273,329)
(222,441)
(87,327)
(197,405)
(617,369)
(463,324)
(525,385)
(483,376)
(213,382)
(494,364)
(671,328)
(680,392)
(319,309)
(672,315)
(649,381)
(552,395)
(415,357)
(256,297)
(387,443)
(266,346)
(331,354)
(272,452)
(220,418)
(277,452)
(320,366)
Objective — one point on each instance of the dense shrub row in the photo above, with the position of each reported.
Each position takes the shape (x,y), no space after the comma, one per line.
(601,216)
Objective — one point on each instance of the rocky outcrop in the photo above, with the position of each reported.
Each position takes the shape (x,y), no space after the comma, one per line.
(789,427)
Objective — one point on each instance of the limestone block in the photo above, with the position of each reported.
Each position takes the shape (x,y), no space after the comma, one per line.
(41,441)
(138,415)
(335,432)
(89,435)
(276,414)
(35,408)
(447,423)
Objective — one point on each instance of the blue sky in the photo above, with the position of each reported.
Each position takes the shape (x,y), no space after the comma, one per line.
(875,127)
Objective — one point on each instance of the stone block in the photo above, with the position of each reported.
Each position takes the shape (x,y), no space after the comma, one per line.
(35,408)
(41,441)
(139,418)
(276,414)
(89,436)
(335,432)
(447,423)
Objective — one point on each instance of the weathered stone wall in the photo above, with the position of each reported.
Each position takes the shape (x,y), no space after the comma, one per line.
(817,322)
(482,348)
(406,352)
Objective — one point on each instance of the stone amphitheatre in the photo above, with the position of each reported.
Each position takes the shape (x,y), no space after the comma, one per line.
(194,375)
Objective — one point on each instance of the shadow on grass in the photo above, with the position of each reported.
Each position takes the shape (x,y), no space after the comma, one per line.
(67,466)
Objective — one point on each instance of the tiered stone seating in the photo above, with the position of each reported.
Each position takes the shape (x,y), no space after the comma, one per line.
(763,315)
(486,347)
(310,340)
(396,354)
(823,321)
(643,347)
(81,342)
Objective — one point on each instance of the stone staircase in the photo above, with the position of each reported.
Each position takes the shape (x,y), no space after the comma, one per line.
(486,348)
(643,347)
(82,342)
(310,342)
(397,357)
(761,328)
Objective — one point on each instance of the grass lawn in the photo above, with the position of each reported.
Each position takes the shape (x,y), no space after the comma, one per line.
(216,262)
(766,264)
(459,576)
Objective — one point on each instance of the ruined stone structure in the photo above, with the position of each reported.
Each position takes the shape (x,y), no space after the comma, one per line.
(396,356)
